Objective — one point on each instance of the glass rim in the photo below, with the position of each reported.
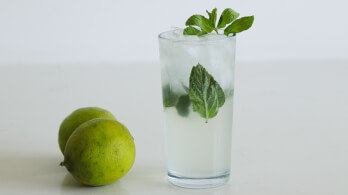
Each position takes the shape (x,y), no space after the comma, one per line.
(161,36)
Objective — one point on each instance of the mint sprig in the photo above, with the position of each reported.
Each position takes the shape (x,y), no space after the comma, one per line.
(205,93)
(228,16)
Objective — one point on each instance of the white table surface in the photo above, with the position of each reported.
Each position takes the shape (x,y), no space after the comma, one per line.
(290,131)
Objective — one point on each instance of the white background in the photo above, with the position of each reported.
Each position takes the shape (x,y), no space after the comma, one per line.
(80,31)
(290,125)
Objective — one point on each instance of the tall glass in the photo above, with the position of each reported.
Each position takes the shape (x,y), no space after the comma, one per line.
(198,152)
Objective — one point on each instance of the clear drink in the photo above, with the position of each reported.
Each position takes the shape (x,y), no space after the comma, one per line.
(198,151)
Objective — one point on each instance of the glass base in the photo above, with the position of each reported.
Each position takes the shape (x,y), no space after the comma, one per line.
(197,183)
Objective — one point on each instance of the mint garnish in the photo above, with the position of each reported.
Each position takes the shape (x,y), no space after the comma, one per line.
(208,25)
(205,93)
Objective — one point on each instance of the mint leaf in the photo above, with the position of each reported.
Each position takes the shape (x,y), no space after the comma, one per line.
(183,105)
(200,21)
(240,25)
(191,31)
(227,16)
(169,98)
(212,17)
(205,93)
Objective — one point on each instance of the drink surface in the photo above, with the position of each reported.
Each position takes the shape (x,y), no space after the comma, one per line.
(177,35)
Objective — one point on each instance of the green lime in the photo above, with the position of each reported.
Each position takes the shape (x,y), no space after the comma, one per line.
(77,118)
(99,152)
